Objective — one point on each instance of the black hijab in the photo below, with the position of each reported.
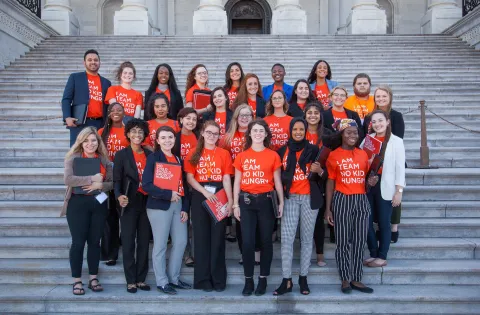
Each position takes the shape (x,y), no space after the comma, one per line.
(295,146)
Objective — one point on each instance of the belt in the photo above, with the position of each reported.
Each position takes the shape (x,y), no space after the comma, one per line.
(95,118)
(267,194)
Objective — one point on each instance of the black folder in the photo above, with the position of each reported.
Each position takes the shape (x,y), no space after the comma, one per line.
(274,197)
(85,167)
(80,113)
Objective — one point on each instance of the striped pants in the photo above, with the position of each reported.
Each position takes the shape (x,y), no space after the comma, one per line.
(297,207)
(350,215)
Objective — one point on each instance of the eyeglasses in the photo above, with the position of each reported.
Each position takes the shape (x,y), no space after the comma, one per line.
(202,74)
(339,95)
(277,98)
(245,116)
(212,134)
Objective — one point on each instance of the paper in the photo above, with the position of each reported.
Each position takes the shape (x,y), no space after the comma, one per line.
(210,189)
(101,197)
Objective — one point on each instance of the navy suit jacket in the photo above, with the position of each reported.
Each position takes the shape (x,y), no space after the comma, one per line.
(76,92)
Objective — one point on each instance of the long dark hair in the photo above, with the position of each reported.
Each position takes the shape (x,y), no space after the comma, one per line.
(228,81)
(184,112)
(151,103)
(197,154)
(268,133)
(108,122)
(172,83)
(294,97)
(312,77)
(242,96)
(227,100)
(388,132)
(320,128)
(156,146)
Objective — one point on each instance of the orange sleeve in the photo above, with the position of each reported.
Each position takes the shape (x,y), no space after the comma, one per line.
(331,168)
(111,93)
(189,96)
(100,131)
(237,163)
(347,103)
(227,163)
(187,166)
(139,100)
(277,162)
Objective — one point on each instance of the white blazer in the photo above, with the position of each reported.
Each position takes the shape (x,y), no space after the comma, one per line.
(393,172)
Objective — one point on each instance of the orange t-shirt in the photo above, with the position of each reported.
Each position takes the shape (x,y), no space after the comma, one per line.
(381,139)
(95,105)
(213,165)
(116,141)
(153,125)
(128,98)
(166,92)
(300,182)
(362,107)
(172,159)
(338,115)
(280,128)
(232,94)
(141,161)
(236,145)
(348,169)
(103,171)
(312,139)
(253,106)
(321,93)
(187,144)
(221,120)
(277,88)
(257,170)
(189,95)
(301,105)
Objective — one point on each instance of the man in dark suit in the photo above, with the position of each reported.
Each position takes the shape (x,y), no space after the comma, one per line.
(86,87)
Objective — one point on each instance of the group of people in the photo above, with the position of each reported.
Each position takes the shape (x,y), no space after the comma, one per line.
(263,146)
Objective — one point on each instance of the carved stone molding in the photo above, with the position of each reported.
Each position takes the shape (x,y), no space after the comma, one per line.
(18,30)
(468,28)
(247,11)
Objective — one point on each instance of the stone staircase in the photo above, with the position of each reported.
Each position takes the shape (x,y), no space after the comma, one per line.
(435,267)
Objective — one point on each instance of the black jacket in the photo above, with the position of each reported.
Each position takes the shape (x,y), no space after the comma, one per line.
(211,116)
(396,120)
(178,145)
(125,170)
(317,183)
(295,111)
(261,104)
(176,104)
(327,118)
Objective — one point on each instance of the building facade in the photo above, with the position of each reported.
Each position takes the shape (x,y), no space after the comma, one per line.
(221,17)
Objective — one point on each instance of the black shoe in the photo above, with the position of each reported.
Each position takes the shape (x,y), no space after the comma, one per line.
(181,285)
(347,290)
(131,288)
(394,237)
(167,289)
(143,286)
(302,282)
(111,262)
(361,289)
(261,286)
(219,288)
(283,288)
(249,287)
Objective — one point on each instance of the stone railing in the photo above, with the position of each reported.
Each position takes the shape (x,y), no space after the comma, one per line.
(469,5)
(34,6)
(20,31)
(468,28)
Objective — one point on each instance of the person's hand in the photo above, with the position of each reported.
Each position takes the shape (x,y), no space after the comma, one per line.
(316,168)
(175,196)
(229,209)
(329,217)
(236,213)
(372,180)
(123,201)
(210,196)
(209,108)
(280,210)
(183,216)
(97,178)
(71,121)
(397,199)
(93,186)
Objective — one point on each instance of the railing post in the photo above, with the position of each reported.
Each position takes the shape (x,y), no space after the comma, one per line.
(424,151)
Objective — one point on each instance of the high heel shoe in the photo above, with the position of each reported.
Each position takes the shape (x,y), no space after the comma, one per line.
(249,287)
(302,282)
(261,286)
(284,287)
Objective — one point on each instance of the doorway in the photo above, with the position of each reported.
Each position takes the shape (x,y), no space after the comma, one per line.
(248,16)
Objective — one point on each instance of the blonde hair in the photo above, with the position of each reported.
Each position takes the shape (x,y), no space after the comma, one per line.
(77,147)
(338,88)
(234,123)
(387,89)
(269,109)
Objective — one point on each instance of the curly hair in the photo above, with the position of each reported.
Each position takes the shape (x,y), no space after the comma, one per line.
(139,123)
(191,77)
(123,65)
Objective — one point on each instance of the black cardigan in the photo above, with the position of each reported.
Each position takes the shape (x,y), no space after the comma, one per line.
(176,104)
(317,183)
(261,110)
(327,118)
(124,170)
(211,116)
(396,120)
(295,111)
(177,147)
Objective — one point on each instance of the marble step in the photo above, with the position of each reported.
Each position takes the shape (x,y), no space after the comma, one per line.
(407,248)
(420,272)
(327,299)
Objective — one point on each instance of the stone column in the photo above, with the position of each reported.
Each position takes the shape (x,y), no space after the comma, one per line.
(440,15)
(289,18)
(366,18)
(344,8)
(58,15)
(132,19)
(210,18)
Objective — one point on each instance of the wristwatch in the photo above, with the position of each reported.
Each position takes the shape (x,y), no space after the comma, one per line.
(400,190)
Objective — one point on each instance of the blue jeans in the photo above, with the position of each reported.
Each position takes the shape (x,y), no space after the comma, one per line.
(382,212)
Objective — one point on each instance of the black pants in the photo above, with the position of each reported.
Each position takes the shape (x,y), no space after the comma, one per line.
(97,123)
(111,239)
(319,232)
(259,212)
(86,219)
(238,231)
(135,227)
(209,245)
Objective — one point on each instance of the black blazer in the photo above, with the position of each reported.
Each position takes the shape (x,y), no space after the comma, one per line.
(76,92)
(396,120)
(261,104)
(327,118)
(176,104)
(211,116)
(124,170)
(295,111)
(177,147)
(317,183)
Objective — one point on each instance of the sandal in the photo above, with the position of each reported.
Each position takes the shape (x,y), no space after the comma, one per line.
(80,291)
(143,286)
(302,282)
(285,287)
(376,263)
(368,260)
(189,262)
(132,288)
(95,287)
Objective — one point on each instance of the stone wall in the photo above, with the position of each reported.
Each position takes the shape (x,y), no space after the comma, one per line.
(20,31)
(468,28)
